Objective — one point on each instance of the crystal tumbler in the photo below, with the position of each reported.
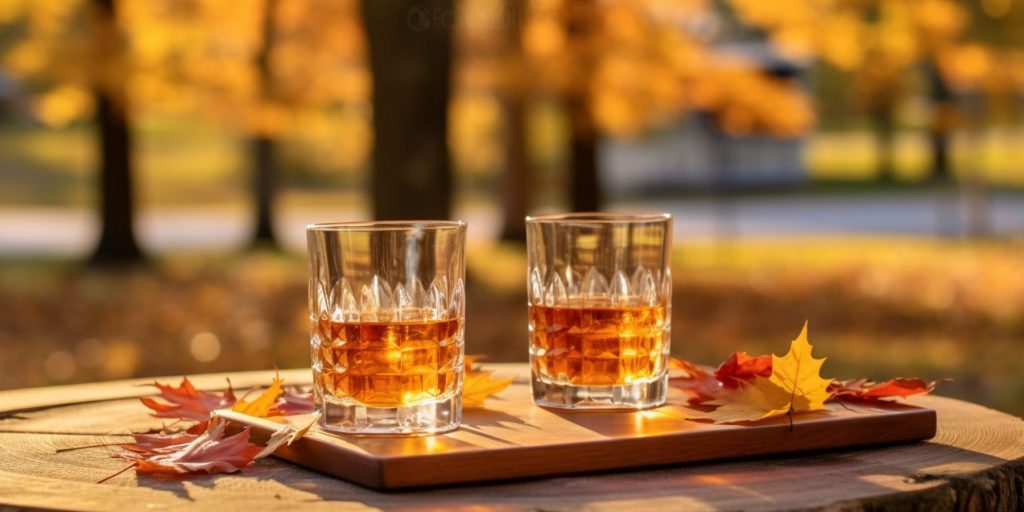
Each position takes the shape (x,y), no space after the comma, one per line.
(387,313)
(600,298)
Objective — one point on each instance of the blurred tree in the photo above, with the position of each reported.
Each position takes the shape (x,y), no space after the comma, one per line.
(882,43)
(515,178)
(268,68)
(410,55)
(624,67)
(585,194)
(117,202)
(73,59)
(262,144)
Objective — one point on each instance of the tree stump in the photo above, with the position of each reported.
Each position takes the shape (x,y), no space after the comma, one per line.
(975,462)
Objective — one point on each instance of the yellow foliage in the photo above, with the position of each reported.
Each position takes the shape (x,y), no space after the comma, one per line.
(63,105)
(261,406)
(480,385)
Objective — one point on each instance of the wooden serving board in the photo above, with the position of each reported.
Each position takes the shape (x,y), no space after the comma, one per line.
(512,438)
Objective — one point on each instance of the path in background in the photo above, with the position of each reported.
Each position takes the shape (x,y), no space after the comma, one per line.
(71,232)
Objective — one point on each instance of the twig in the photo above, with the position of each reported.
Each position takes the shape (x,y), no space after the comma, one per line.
(132,465)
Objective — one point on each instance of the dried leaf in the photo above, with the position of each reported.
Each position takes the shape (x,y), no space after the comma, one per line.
(472,362)
(741,368)
(210,452)
(893,388)
(697,382)
(262,406)
(293,400)
(479,385)
(149,443)
(794,386)
(187,402)
(286,435)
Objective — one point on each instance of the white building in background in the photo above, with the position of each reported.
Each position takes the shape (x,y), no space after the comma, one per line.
(696,155)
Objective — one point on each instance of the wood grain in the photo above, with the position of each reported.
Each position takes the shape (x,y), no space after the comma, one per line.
(512,438)
(975,462)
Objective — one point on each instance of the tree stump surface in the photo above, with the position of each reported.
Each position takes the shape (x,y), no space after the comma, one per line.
(975,462)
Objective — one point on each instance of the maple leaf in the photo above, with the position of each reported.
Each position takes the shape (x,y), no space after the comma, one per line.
(149,443)
(741,368)
(472,362)
(262,405)
(187,402)
(210,451)
(479,385)
(893,388)
(293,400)
(286,435)
(696,381)
(794,386)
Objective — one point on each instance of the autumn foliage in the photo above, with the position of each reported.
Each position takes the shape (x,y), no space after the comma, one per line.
(752,388)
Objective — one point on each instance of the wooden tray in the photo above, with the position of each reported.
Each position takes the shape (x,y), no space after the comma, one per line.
(512,438)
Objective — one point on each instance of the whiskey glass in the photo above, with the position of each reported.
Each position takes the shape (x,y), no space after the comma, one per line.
(600,298)
(387,315)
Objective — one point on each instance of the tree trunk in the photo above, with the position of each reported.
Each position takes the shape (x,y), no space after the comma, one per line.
(942,105)
(117,243)
(262,145)
(584,184)
(263,185)
(885,131)
(410,53)
(516,179)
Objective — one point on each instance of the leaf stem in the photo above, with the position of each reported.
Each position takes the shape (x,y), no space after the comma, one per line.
(132,465)
(73,448)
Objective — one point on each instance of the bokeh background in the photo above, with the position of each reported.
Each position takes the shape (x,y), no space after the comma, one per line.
(856,163)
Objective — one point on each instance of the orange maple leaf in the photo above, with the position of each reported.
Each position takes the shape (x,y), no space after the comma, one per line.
(187,402)
(478,385)
(741,368)
(893,388)
(262,405)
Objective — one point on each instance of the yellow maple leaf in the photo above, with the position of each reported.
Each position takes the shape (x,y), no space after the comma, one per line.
(478,386)
(795,385)
(260,407)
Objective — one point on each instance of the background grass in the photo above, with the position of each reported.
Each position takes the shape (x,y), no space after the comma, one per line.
(877,308)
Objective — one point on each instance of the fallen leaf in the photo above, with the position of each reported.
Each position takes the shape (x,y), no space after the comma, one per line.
(741,368)
(210,452)
(696,381)
(479,385)
(794,386)
(892,388)
(472,362)
(293,400)
(149,443)
(263,404)
(187,402)
(286,435)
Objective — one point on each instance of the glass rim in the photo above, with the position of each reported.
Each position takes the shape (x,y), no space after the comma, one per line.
(600,218)
(387,225)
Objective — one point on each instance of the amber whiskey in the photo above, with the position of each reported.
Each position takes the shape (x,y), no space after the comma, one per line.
(597,346)
(388,364)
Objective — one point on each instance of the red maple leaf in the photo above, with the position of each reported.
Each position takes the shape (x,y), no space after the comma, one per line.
(742,368)
(187,402)
(892,388)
